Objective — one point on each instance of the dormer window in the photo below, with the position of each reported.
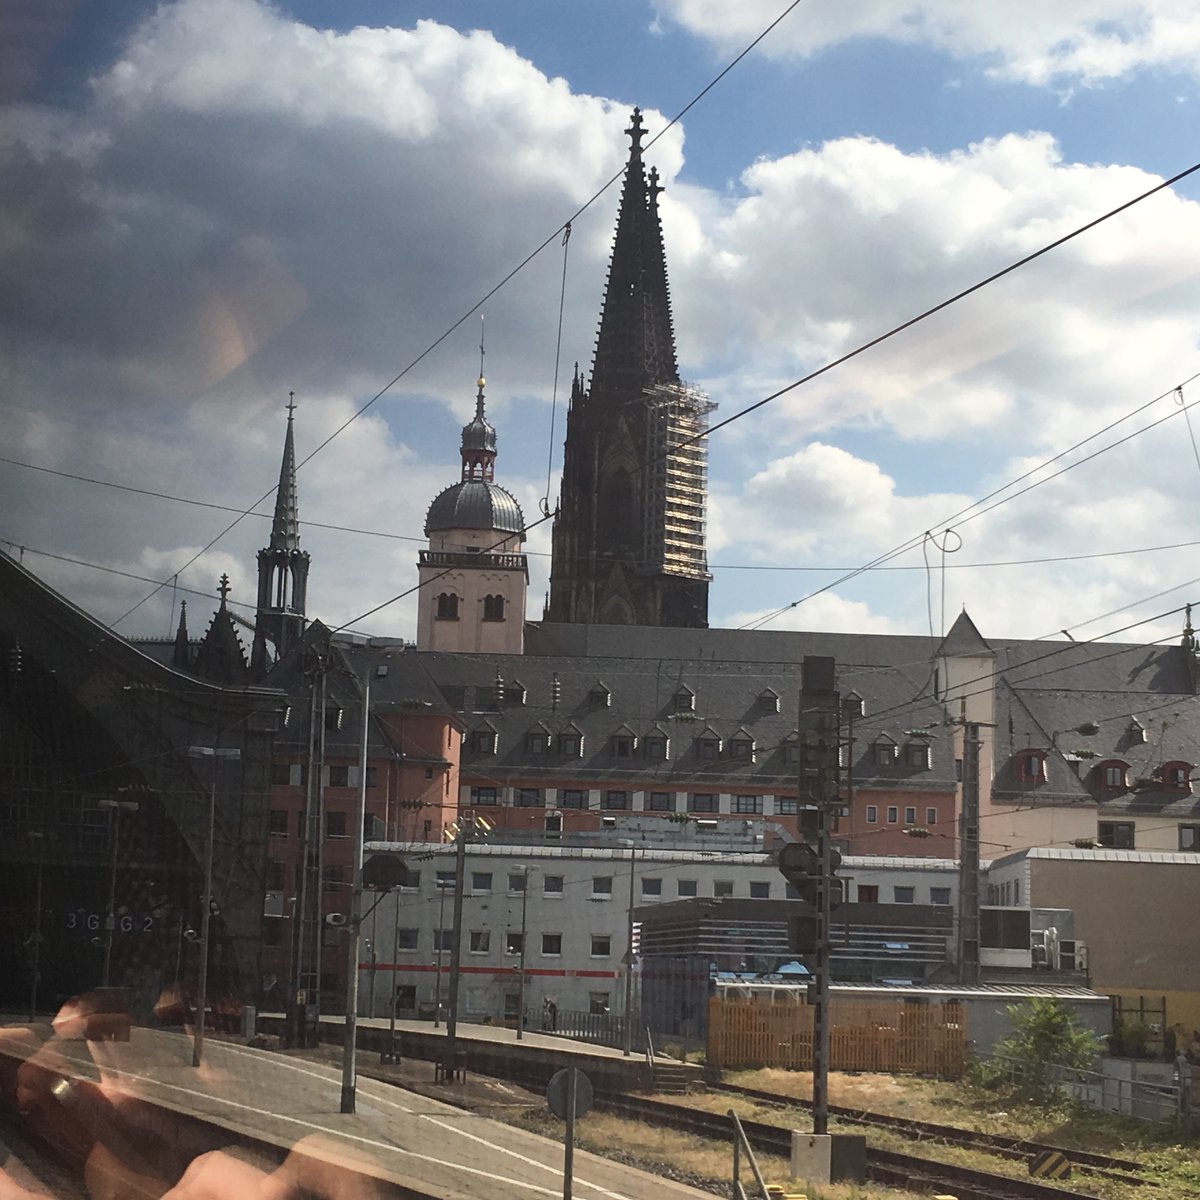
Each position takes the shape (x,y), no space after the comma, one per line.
(884,752)
(1113,775)
(1137,732)
(537,741)
(1031,766)
(741,746)
(600,695)
(515,692)
(708,746)
(852,705)
(483,741)
(916,755)
(1178,775)
(570,743)
(768,701)
(624,743)
(685,700)
(655,745)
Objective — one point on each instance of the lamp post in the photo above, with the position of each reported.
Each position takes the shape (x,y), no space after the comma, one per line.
(115,807)
(354,941)
(440,939)
(214,753)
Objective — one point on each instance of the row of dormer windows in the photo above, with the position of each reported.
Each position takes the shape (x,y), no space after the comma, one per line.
(1111,774)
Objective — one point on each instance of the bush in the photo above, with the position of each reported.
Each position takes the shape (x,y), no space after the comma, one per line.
(1048,1042)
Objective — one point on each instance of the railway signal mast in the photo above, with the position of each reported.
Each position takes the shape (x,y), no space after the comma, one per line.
(809,866)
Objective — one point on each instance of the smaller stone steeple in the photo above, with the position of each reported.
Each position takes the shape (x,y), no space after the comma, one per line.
(181,657)
(282,567)
(220,656)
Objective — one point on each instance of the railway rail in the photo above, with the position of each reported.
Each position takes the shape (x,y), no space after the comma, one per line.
(1122,1170)
(887,1167)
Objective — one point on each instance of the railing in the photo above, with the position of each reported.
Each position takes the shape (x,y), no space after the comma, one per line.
(447,558)
(601,1029)
(742,1146)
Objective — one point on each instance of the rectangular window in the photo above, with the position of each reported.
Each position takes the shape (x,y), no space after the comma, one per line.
(708,749)
(1115,835)
(335,825)
(552,885)
(552,945)
(904,895)
(1189,837)
(276,878)
(893,814)
(931,816)
(572,798)
(406,939)
(939,895)
(281,774)
(535,744)
(570,745)
(481,881)
(703,802)
(483,741)
(517,881)
(868,893)
(443,940)
(885,754)
(787,806)
(617,800)
(601,945)
(333,878)
(687,887)
(747,804)
(481,941)
(483,795)
(918,756)
(723,887)
(910,816)
(760,889)
(622,745)
(651,887)
(872,814)
(513,940)
(530,798)
(602,886)
(278,826)
(662,802)
(339,776)
(372,777)
(655,748)
(598,1003)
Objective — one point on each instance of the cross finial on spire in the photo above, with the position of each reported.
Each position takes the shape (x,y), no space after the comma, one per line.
(654,188)
(635,133)
(291,404)
(224,589)
(482,381)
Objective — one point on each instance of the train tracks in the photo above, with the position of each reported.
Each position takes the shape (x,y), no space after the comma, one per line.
(887,1167)
(1121,1170)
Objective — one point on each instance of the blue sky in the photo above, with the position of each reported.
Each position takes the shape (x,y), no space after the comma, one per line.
(213,202)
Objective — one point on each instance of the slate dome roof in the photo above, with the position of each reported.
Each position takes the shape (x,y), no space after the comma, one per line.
(474,504)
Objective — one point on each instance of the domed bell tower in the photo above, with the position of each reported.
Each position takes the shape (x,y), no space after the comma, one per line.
(474,576)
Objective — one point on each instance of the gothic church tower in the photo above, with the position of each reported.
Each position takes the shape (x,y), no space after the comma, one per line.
(628,538)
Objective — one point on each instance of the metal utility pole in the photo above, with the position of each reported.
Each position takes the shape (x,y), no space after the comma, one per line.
(40,837)
(521,968)
(350,1025)
(206,902)
(968,851)
(627,1033)
(441,937)
(115,807)
(465,827)
(809,866)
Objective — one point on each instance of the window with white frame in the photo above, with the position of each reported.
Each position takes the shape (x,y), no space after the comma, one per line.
(481,941)
(552,945)
(601,945)
(872,814)
(552,885)
(602,886)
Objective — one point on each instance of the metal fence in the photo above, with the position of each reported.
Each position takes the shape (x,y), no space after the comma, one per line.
(601,1029)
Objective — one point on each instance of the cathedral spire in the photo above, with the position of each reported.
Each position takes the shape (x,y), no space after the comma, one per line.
(628,539)
(282,566)
(285,528)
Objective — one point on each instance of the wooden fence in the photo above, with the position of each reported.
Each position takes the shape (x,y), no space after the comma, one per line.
(867,1035)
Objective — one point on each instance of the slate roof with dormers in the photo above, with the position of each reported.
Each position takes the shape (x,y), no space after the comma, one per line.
(642,698)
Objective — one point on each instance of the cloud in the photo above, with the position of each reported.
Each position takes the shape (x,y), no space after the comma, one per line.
(1028,40)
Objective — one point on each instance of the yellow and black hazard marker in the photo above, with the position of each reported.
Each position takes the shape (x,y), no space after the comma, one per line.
(1050,1164)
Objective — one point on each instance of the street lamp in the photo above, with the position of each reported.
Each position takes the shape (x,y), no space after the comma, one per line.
(214,753)
(627,1034)
(115,807)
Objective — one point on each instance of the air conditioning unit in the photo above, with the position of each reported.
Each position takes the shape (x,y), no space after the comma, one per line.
(337,920)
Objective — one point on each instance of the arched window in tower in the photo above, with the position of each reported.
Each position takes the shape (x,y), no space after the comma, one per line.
(447,607)
(493,608)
